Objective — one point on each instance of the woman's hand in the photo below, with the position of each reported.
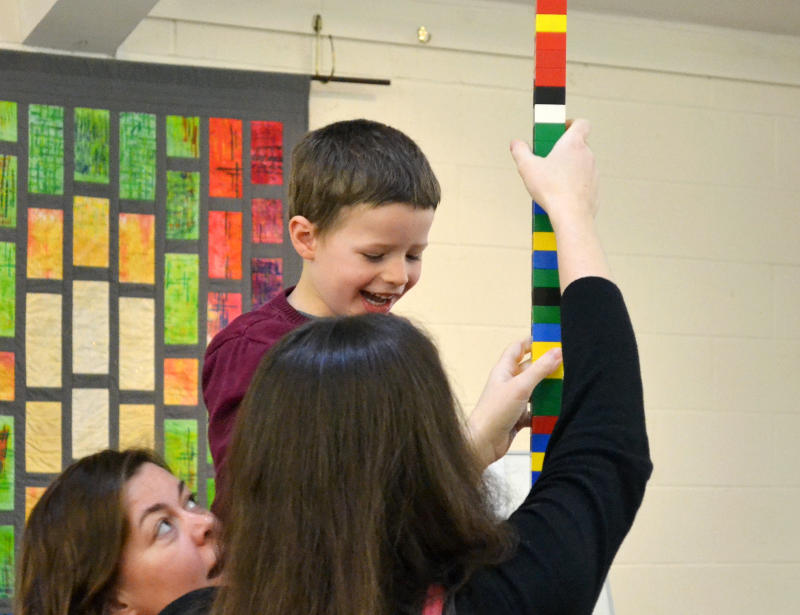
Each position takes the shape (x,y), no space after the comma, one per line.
(502,409)
(564,183)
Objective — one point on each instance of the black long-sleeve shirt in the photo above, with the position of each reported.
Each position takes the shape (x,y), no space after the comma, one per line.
(596,467)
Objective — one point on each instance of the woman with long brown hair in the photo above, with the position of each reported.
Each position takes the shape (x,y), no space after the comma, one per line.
(116,534)
(355,490)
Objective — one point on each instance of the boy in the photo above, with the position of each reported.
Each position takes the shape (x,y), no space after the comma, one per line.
(361,201)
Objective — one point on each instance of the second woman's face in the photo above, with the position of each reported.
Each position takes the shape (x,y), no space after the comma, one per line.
(172,545)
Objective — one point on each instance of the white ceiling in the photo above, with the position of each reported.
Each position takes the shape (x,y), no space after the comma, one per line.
(775,16)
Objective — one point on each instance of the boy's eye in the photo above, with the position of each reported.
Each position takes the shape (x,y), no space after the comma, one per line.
(373,258)
(414,257)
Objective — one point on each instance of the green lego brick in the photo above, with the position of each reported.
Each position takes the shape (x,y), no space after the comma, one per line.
(546,314)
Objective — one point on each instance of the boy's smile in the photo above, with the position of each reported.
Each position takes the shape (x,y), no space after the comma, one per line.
(378,303)
(365,262)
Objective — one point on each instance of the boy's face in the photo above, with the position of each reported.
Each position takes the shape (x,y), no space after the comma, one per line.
(370,258)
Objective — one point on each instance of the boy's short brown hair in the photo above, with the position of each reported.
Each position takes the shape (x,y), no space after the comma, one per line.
(357,161)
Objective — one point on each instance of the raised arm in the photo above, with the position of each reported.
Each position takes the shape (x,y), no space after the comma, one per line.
(564,184)
(592,483)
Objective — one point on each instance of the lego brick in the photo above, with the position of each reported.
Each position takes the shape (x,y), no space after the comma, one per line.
(550,58)
(546,313)
(539,348)
(541,221)
(547,95)
(537,461)
(535,477)
(549,114)
(545,259)
(543,148)
(551,41)
(543,424)
(551,23)
(548,132)
(545,295)
(545,278)
(544,241)
(546,332)
(546,398)
(551,7)
(539,442)
(550,76)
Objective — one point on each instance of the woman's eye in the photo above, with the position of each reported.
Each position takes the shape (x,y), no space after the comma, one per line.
(163,528)
(191,503)
(414,257)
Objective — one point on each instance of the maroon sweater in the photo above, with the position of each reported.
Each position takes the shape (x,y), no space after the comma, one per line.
(230,362)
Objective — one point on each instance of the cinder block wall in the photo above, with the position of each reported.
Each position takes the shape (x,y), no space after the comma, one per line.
(697,132)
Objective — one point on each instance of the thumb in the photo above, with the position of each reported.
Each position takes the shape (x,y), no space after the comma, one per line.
(539,369)
(528,164)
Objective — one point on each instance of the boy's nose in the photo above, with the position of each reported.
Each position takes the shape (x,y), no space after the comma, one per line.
(396,272)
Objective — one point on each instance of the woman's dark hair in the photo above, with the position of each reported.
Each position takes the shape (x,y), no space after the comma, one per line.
(357,161)
(73,540)
(353,485)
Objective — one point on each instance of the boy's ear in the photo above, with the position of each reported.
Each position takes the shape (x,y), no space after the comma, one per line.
(303,234)
(117,605)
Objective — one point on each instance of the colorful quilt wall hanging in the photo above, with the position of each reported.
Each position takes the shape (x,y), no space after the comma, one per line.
(142,208)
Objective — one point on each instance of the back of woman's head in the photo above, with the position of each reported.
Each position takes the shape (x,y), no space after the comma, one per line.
(353,486)
(73,539)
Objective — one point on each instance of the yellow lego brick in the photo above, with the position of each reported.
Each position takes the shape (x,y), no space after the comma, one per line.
(544,240)
(539,348)
(551,23)
(537,461)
